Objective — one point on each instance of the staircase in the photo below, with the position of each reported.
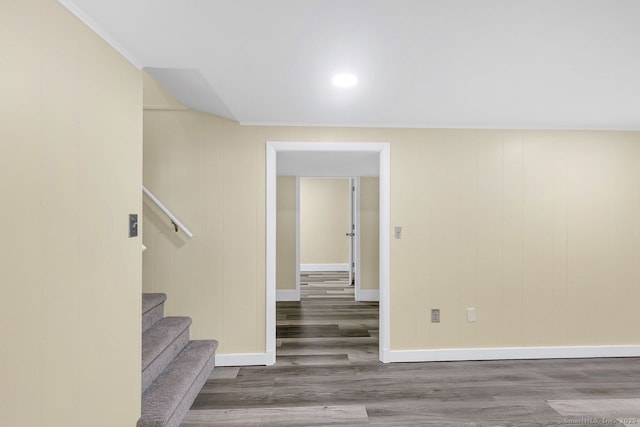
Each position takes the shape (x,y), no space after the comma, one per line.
(174,369)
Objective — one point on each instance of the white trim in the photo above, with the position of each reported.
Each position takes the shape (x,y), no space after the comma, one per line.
(287,294)
(510,353)
(385,251)
(298,237)
(494,126)
(97,28)
(367,295)
(246,359)
(329,146)
(324,267)
(271,217)
(351,228)
(356,216)
(384,150)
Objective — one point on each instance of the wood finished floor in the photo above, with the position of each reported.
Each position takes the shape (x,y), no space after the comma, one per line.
(327,374)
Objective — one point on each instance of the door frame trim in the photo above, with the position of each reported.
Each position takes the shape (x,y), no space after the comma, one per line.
(384,155)
(355,181)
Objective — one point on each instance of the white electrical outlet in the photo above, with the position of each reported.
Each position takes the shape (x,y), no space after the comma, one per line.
(471,314)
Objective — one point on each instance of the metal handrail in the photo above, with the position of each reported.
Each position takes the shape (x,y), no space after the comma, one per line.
(175,221)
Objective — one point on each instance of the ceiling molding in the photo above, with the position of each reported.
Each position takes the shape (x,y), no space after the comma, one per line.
(104,34)
(423,126)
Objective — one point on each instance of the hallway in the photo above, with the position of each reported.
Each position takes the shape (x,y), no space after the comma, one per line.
(327,327)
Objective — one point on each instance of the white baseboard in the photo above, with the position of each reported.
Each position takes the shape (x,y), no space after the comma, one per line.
(459,354)
(287,295)
(247,359)
(507,353)
(368,295)
(325,267)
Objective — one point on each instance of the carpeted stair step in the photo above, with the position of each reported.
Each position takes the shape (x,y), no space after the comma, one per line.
(152,309)
(167,400)
(161,344)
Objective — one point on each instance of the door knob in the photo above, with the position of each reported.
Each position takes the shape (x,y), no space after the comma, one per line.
(350,234)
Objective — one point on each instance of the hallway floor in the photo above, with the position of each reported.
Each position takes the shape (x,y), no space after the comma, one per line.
(327,373)
(327,327)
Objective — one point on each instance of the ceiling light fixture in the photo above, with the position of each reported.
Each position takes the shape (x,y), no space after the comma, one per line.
(344,80)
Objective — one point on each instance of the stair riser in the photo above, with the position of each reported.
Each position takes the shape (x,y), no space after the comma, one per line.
(151,317)
(162,361)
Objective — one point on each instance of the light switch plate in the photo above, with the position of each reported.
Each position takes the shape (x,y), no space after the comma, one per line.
(398,231)
(133,225)
(435,315)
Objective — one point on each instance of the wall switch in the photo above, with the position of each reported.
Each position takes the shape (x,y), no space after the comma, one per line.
(471,314)
(398,232)
(133,225)
(435,315)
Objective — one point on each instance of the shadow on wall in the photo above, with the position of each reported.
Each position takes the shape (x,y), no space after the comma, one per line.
(162,224)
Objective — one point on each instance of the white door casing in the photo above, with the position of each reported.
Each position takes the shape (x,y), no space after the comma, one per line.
(351,232)
(383,150)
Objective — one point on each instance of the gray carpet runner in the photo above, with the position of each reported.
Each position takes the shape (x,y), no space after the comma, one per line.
(152,309)
(174,369)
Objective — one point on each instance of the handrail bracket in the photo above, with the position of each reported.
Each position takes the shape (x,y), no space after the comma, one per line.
(177,225)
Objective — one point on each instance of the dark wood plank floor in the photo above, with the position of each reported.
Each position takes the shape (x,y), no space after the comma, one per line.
(327,373)
(327,326)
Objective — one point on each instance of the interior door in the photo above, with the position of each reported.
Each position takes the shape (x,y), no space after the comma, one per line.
(352,232)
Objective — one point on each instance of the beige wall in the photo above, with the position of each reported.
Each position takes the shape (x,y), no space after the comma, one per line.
(70,173)
(324,220)
(286,233)
(538,230)
(206,170)
(369,233)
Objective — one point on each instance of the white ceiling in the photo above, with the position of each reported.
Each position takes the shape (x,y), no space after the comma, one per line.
(550,64)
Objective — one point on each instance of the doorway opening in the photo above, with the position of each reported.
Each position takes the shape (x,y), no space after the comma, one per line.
(330,159)
(330,322)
